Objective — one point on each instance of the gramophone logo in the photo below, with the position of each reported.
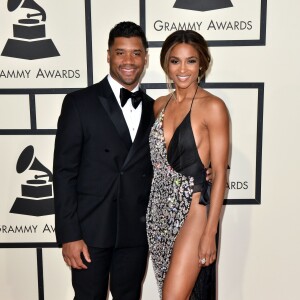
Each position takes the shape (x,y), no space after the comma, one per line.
(202,5)
(37,194)
(29,35)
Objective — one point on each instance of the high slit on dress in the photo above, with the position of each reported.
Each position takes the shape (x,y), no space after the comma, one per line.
(178,173)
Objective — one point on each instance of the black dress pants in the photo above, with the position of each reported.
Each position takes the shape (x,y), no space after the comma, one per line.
(120,270)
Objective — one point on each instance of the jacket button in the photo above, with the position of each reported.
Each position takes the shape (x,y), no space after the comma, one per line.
(122,173)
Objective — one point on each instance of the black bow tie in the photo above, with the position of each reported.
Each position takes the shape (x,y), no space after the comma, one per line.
(136,97)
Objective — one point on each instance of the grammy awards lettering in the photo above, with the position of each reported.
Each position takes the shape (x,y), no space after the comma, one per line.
(29,34)
(37,194)
(41,73)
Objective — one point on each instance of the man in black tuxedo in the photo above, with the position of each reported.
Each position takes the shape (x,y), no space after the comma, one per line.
(102,174)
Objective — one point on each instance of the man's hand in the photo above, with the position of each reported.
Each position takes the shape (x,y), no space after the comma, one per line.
(209,176)
(72,254)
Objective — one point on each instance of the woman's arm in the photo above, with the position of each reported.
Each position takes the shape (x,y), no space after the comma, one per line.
(217,121)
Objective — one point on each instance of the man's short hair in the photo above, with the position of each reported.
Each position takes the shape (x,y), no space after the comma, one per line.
(127,29)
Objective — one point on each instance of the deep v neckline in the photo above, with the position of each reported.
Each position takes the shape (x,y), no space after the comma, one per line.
(175,131)
(179,125)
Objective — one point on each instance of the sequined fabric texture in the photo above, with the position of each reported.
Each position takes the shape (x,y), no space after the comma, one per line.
(169,203)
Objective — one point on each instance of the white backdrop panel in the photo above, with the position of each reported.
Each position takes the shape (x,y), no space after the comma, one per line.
(18,274)
(20,226)
(65,27)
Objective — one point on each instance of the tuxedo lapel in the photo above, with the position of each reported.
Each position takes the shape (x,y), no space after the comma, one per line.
(142,134)
(111,106)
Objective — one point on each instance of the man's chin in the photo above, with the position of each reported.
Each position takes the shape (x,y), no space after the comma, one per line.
(130,82)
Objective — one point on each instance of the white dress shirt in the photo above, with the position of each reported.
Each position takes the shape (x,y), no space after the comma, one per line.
(132,116)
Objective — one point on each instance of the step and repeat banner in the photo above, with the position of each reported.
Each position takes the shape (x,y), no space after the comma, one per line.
(49,48)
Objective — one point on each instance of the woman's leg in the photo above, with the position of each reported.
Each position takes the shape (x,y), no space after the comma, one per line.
(184,265)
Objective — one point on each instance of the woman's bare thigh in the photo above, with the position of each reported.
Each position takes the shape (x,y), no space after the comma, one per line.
(184,265)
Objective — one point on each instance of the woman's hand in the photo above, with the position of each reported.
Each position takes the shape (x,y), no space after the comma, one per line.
(207,250)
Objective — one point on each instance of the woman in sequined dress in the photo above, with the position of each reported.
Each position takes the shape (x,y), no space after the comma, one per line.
(191,132)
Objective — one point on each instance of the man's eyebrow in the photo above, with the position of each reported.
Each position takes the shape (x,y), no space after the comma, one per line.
(122,49)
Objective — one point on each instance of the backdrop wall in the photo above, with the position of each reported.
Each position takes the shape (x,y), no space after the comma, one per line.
(255,49)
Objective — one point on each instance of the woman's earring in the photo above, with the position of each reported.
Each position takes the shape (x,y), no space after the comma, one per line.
(200,74)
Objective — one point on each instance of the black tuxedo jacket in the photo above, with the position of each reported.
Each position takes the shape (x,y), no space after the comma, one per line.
(101,179)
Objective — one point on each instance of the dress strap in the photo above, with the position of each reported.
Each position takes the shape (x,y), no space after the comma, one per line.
(169,100)
(194,98)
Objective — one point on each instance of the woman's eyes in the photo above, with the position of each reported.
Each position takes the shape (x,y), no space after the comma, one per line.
(174,61)
(189,61)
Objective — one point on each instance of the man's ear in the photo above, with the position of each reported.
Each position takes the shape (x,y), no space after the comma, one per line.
(108,56)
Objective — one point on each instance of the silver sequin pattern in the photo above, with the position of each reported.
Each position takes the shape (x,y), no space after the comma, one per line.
(169,203)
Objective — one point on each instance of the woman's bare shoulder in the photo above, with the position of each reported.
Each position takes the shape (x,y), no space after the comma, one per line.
(211,106)
(209,101)
(160,103)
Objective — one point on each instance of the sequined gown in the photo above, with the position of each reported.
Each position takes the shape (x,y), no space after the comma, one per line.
(170,199)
